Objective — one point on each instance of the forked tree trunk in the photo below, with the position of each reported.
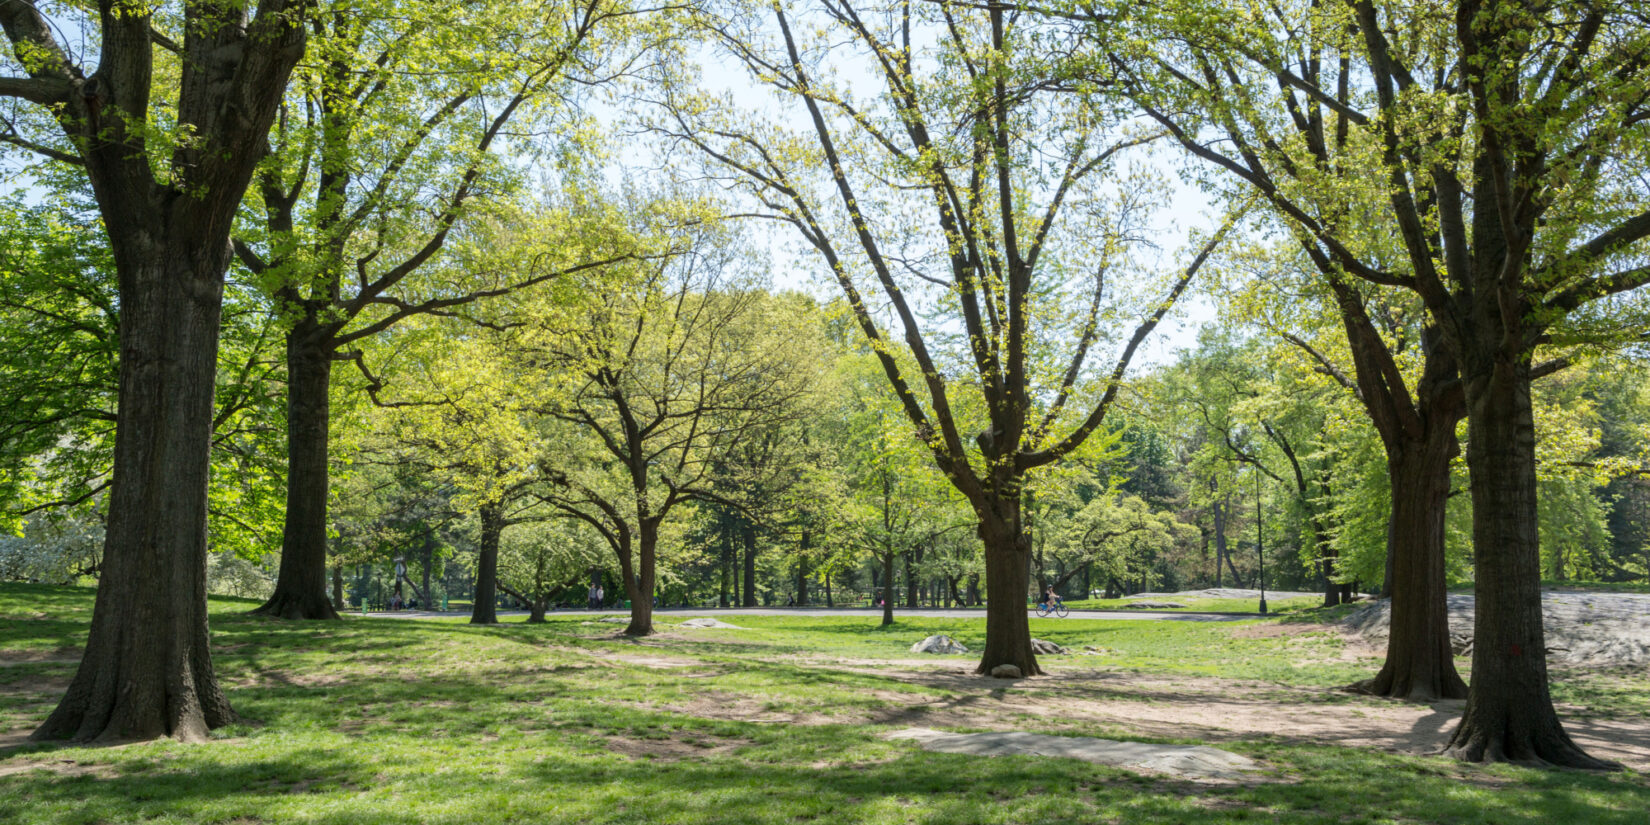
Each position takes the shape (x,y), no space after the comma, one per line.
(535,614)
(147,669)
(300,586)
(483,611)
(1420,666)
(1007,548)
(1509,714)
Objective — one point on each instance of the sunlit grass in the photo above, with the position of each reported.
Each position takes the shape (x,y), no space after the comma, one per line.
(397,721)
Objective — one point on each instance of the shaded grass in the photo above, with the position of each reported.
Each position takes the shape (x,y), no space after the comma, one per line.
(396,721)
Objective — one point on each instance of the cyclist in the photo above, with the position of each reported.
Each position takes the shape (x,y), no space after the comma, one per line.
(1051,598)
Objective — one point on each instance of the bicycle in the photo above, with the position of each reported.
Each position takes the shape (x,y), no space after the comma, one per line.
(1058,609)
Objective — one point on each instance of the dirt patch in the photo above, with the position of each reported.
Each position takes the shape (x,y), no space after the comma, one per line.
(57,767)
(675,749)
(1180,707)
(61,656)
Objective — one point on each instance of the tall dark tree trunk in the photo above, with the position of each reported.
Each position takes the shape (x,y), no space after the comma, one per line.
(638,584)
(829,600)
(748,533)
(1420,666)
(974,590)
(483,611)
(429,564)
(888,587)
(300,586)
(338,587)
(802,573)
(1007,549)
(911,595)
(1509,714)
(725,596)
(147,670)
(1219,514)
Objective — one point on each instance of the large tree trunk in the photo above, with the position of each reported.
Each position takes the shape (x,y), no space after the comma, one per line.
(300,587)
(483,610)
(337,587)
(147,669)
(639,584)
(1007,548)
(1509,714)
(1420,666)
(911,595)
(748,533)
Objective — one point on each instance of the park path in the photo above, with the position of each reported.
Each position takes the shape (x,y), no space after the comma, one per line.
(922,613)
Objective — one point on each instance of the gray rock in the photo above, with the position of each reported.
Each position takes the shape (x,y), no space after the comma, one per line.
(1150,605)
(1006,672)
(1199,763)
(1048,648)
(939,643)
(709,623)
(1583,628)
(614,620)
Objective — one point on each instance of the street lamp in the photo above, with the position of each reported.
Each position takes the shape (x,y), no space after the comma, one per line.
(1260,547)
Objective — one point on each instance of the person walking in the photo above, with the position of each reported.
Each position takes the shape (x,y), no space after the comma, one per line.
(601,597)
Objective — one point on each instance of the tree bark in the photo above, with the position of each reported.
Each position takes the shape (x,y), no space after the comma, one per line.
(748,533)
(1509,714)
(639,584)
(911,595)
(300,586)
(338,587)
(888,587)
(147,669)
(1420,666)
(1007,549)
(802,573)
(483,610)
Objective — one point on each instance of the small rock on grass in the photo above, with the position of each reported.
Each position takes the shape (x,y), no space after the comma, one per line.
(710,623)
(939,643)
(1047,648)
(1006,672)
(614,620)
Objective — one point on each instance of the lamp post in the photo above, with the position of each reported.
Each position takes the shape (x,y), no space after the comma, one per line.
(1260,547)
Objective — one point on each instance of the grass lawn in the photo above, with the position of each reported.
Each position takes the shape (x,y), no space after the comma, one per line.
(400,721)
(1202,605)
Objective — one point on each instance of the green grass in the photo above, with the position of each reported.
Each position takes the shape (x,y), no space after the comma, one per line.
(1202,605)
(397,721)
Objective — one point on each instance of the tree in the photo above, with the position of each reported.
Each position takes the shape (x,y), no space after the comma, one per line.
(167,198)
(1492,145)
(658,380)
(975,198)
(406,109)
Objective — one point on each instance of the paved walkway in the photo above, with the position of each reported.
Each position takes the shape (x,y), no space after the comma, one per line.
(921,612)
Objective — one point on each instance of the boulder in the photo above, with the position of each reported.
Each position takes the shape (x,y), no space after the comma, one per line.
(709,623)
(1006,672)
(614,620)
(1048,648)
(1149,605)
(939,643)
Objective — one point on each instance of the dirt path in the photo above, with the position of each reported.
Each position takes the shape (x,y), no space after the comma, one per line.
(1212,710)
